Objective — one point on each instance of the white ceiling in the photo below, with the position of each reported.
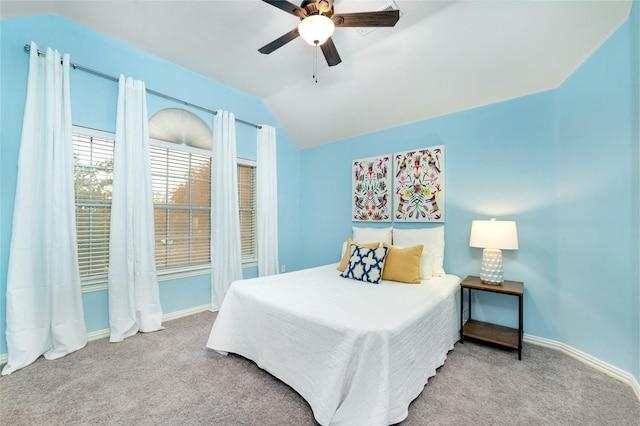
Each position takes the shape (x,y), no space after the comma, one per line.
(441,57)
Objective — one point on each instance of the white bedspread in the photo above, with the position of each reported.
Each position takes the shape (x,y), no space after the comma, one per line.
(358,353)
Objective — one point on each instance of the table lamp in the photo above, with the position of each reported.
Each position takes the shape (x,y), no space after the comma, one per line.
(493,236)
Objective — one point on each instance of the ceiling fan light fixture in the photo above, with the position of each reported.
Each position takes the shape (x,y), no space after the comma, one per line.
(316,29)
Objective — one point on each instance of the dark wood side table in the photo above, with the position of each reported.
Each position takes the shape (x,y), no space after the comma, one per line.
(487,332)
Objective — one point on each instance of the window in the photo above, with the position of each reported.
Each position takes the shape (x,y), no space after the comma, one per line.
(93,175)
(182,207)
(247,203)
(181,180)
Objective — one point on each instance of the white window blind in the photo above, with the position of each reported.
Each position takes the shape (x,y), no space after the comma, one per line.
(182,207)
(247,203)
(93,177)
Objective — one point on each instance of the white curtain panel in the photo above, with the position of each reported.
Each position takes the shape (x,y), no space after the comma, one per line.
(226,257)
(267,201)
(134,298)
(44,298)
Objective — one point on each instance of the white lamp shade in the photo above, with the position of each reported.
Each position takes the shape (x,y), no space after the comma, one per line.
(316,29)
(495,234)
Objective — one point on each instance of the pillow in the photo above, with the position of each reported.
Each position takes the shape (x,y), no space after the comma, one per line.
(403,264)
(366,264)
(432,239)
(426,264)
(372,235)
(347,253)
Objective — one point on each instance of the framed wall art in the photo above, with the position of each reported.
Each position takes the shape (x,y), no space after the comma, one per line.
(371,189)
(418,185)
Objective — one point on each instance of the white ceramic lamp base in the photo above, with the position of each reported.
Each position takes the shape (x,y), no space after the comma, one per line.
(491,272)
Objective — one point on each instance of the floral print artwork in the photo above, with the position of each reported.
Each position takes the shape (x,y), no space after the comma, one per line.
(371,189)
(419,185)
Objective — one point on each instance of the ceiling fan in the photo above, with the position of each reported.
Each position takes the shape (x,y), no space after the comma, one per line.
(317,21)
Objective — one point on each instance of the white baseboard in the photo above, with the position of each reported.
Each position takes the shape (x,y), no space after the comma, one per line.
(97,335)
(185,312)
(101,334)
(608,369)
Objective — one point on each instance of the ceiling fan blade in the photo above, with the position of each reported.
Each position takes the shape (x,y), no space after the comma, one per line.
(330,52)
(279,42)
(288,7)
(383,18)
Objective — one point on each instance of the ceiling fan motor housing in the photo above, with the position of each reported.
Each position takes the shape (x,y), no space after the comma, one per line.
(318,7)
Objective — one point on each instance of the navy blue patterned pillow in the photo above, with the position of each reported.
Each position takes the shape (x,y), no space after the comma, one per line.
(366,264)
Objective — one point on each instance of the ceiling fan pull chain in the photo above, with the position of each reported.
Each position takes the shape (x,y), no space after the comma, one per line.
(315,63)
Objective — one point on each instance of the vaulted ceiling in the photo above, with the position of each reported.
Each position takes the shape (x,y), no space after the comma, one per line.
(441,57)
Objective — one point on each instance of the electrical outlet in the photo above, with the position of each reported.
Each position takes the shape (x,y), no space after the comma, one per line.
(283,268)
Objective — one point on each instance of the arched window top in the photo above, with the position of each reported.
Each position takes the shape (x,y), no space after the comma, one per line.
(182,127)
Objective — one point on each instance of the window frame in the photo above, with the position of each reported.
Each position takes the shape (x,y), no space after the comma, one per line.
(99,281)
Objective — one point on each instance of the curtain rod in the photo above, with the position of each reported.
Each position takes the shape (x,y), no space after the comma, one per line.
(76,66)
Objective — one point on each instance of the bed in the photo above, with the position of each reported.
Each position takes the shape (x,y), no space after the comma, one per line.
(358,353)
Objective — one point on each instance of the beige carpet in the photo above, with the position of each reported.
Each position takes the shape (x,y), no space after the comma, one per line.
(170,378)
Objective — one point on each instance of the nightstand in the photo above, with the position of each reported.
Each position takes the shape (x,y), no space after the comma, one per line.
(487,332)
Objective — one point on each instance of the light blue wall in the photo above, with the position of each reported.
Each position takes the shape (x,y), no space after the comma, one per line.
(564,165)
(635,154)
(94,105)
(597,207)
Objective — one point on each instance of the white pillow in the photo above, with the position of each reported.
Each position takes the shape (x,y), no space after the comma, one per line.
(372,235)
(433,241)
(426,264)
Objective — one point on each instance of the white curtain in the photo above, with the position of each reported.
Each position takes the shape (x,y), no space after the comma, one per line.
(134,299)
(267,201)
(226,257)
(44,298)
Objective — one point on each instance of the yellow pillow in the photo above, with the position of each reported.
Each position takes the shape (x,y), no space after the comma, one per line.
(347,253)
(403,264)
